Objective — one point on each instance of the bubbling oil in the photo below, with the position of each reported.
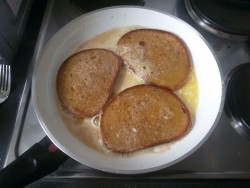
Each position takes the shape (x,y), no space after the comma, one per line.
(87,130)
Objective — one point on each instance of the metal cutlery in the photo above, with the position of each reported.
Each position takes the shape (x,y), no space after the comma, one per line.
(5,82)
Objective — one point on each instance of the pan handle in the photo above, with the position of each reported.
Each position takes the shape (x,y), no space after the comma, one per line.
(40,160)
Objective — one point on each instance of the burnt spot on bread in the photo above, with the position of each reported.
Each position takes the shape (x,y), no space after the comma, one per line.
(142,43)
(129,38)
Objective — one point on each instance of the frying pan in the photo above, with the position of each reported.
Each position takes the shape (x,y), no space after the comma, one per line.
(66,41)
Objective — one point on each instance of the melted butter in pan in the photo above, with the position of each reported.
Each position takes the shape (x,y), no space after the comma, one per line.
(190,94)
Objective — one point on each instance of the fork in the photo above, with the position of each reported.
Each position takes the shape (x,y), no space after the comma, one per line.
(5,82)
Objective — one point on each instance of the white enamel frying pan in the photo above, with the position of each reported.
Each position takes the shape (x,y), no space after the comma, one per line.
(70,37)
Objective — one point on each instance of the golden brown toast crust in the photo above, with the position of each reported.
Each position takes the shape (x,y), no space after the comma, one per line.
(157,56)
(143,116)
(85,81)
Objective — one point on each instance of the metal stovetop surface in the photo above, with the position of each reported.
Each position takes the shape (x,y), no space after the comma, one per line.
(224,155)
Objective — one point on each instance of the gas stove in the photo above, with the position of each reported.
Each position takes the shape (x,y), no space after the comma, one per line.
(224,155)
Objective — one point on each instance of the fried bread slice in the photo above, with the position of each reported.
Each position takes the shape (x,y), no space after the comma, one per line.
(157,56)
(143,116)
(85,81)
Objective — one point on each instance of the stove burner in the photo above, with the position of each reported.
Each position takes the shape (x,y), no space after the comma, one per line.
(238,99)
(226,18)
(90,5)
